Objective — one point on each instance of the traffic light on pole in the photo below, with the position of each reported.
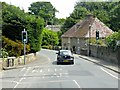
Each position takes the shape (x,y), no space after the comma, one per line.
(97,35)
(24,36)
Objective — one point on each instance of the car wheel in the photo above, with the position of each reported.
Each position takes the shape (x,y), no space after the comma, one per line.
(58,63)
(72,62)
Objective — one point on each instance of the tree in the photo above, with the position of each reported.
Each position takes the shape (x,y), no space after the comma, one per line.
(14,22)
(34,27)
(44,10)
(49,38)
(107,12)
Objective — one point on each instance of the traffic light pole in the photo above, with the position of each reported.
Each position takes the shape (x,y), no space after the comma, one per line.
(24,40)
(24,52)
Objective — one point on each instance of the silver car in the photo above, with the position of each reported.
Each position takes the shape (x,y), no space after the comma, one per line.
(65,56)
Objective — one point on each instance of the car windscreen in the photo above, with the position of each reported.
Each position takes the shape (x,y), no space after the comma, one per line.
(65,53)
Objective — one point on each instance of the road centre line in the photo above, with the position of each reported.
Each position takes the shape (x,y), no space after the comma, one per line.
(109,73)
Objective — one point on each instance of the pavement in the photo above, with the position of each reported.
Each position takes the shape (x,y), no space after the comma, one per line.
(101,62)
(39,57)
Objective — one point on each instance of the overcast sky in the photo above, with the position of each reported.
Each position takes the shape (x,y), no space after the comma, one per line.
(65,7)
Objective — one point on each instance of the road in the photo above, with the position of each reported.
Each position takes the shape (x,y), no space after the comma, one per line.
(39,74)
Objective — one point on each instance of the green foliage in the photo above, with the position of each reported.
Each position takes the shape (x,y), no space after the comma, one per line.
(69,22)
(49,37)
(47,47)
(112,40)
(107,12)
(34,28)
(44,10)
(15,20)
(3,53)
(13,48)
(99,42)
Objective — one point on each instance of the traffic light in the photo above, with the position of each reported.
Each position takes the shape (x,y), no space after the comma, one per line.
(24,36)
(97,35)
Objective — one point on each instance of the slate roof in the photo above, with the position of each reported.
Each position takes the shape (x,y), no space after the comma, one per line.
(82,28)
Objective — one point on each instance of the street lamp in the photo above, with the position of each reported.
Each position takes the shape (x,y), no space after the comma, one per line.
(24,40)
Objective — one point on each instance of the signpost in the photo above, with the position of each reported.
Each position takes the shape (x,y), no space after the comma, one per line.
(24,40)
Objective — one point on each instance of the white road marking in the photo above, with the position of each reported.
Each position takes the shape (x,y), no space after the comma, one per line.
(55,69)
(33,71)
(22,78)
(41,70)
(58,76)
(54,74)
(36,66)
(77,84)
(23,69)
(60,68)
(109,73)
(48,69)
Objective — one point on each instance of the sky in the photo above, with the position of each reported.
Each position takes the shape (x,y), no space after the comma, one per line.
(65,7)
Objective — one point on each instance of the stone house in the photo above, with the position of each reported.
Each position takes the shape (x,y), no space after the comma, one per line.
(78,35)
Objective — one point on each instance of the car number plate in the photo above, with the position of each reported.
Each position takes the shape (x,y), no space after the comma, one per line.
(65,60)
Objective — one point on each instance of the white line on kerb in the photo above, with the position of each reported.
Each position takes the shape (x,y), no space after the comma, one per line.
(76,83)
(109,73)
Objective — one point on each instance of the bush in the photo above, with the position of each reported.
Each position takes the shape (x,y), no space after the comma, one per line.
(13,48)
(45,47)
(99,42)
(3,53)
(111,40)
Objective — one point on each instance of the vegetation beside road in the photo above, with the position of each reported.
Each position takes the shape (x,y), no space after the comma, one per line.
(15,20)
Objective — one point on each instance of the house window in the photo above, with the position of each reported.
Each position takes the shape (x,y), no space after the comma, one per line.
(68,40)
(64,44)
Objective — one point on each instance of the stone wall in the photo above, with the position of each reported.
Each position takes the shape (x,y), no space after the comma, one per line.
(105,53)
(18,61)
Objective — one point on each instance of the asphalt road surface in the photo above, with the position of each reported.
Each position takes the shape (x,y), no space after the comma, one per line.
(45,73)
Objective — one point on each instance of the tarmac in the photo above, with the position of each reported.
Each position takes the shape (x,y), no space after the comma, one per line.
(108,65)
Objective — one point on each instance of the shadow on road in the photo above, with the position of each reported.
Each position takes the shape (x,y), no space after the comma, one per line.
(55,63)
